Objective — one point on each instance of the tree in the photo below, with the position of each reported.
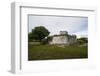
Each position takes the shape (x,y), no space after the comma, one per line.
(40,33)
(30,36)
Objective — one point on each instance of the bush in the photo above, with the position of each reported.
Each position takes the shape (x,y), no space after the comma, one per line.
(82,40)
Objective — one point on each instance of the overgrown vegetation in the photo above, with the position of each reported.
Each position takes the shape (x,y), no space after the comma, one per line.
(45,52)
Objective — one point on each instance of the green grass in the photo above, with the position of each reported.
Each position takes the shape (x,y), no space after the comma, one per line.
(47,52)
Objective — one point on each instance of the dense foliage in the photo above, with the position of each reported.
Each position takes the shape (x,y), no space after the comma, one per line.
(38,33)
(82,40)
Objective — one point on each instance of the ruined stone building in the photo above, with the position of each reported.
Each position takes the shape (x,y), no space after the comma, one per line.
(63,38)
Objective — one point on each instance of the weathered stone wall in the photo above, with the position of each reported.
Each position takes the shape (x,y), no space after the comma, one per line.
(63,38)
(60,40)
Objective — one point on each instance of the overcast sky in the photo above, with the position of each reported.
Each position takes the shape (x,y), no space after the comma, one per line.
(55,24)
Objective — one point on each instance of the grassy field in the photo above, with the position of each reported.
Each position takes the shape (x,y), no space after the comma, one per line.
(47,52)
